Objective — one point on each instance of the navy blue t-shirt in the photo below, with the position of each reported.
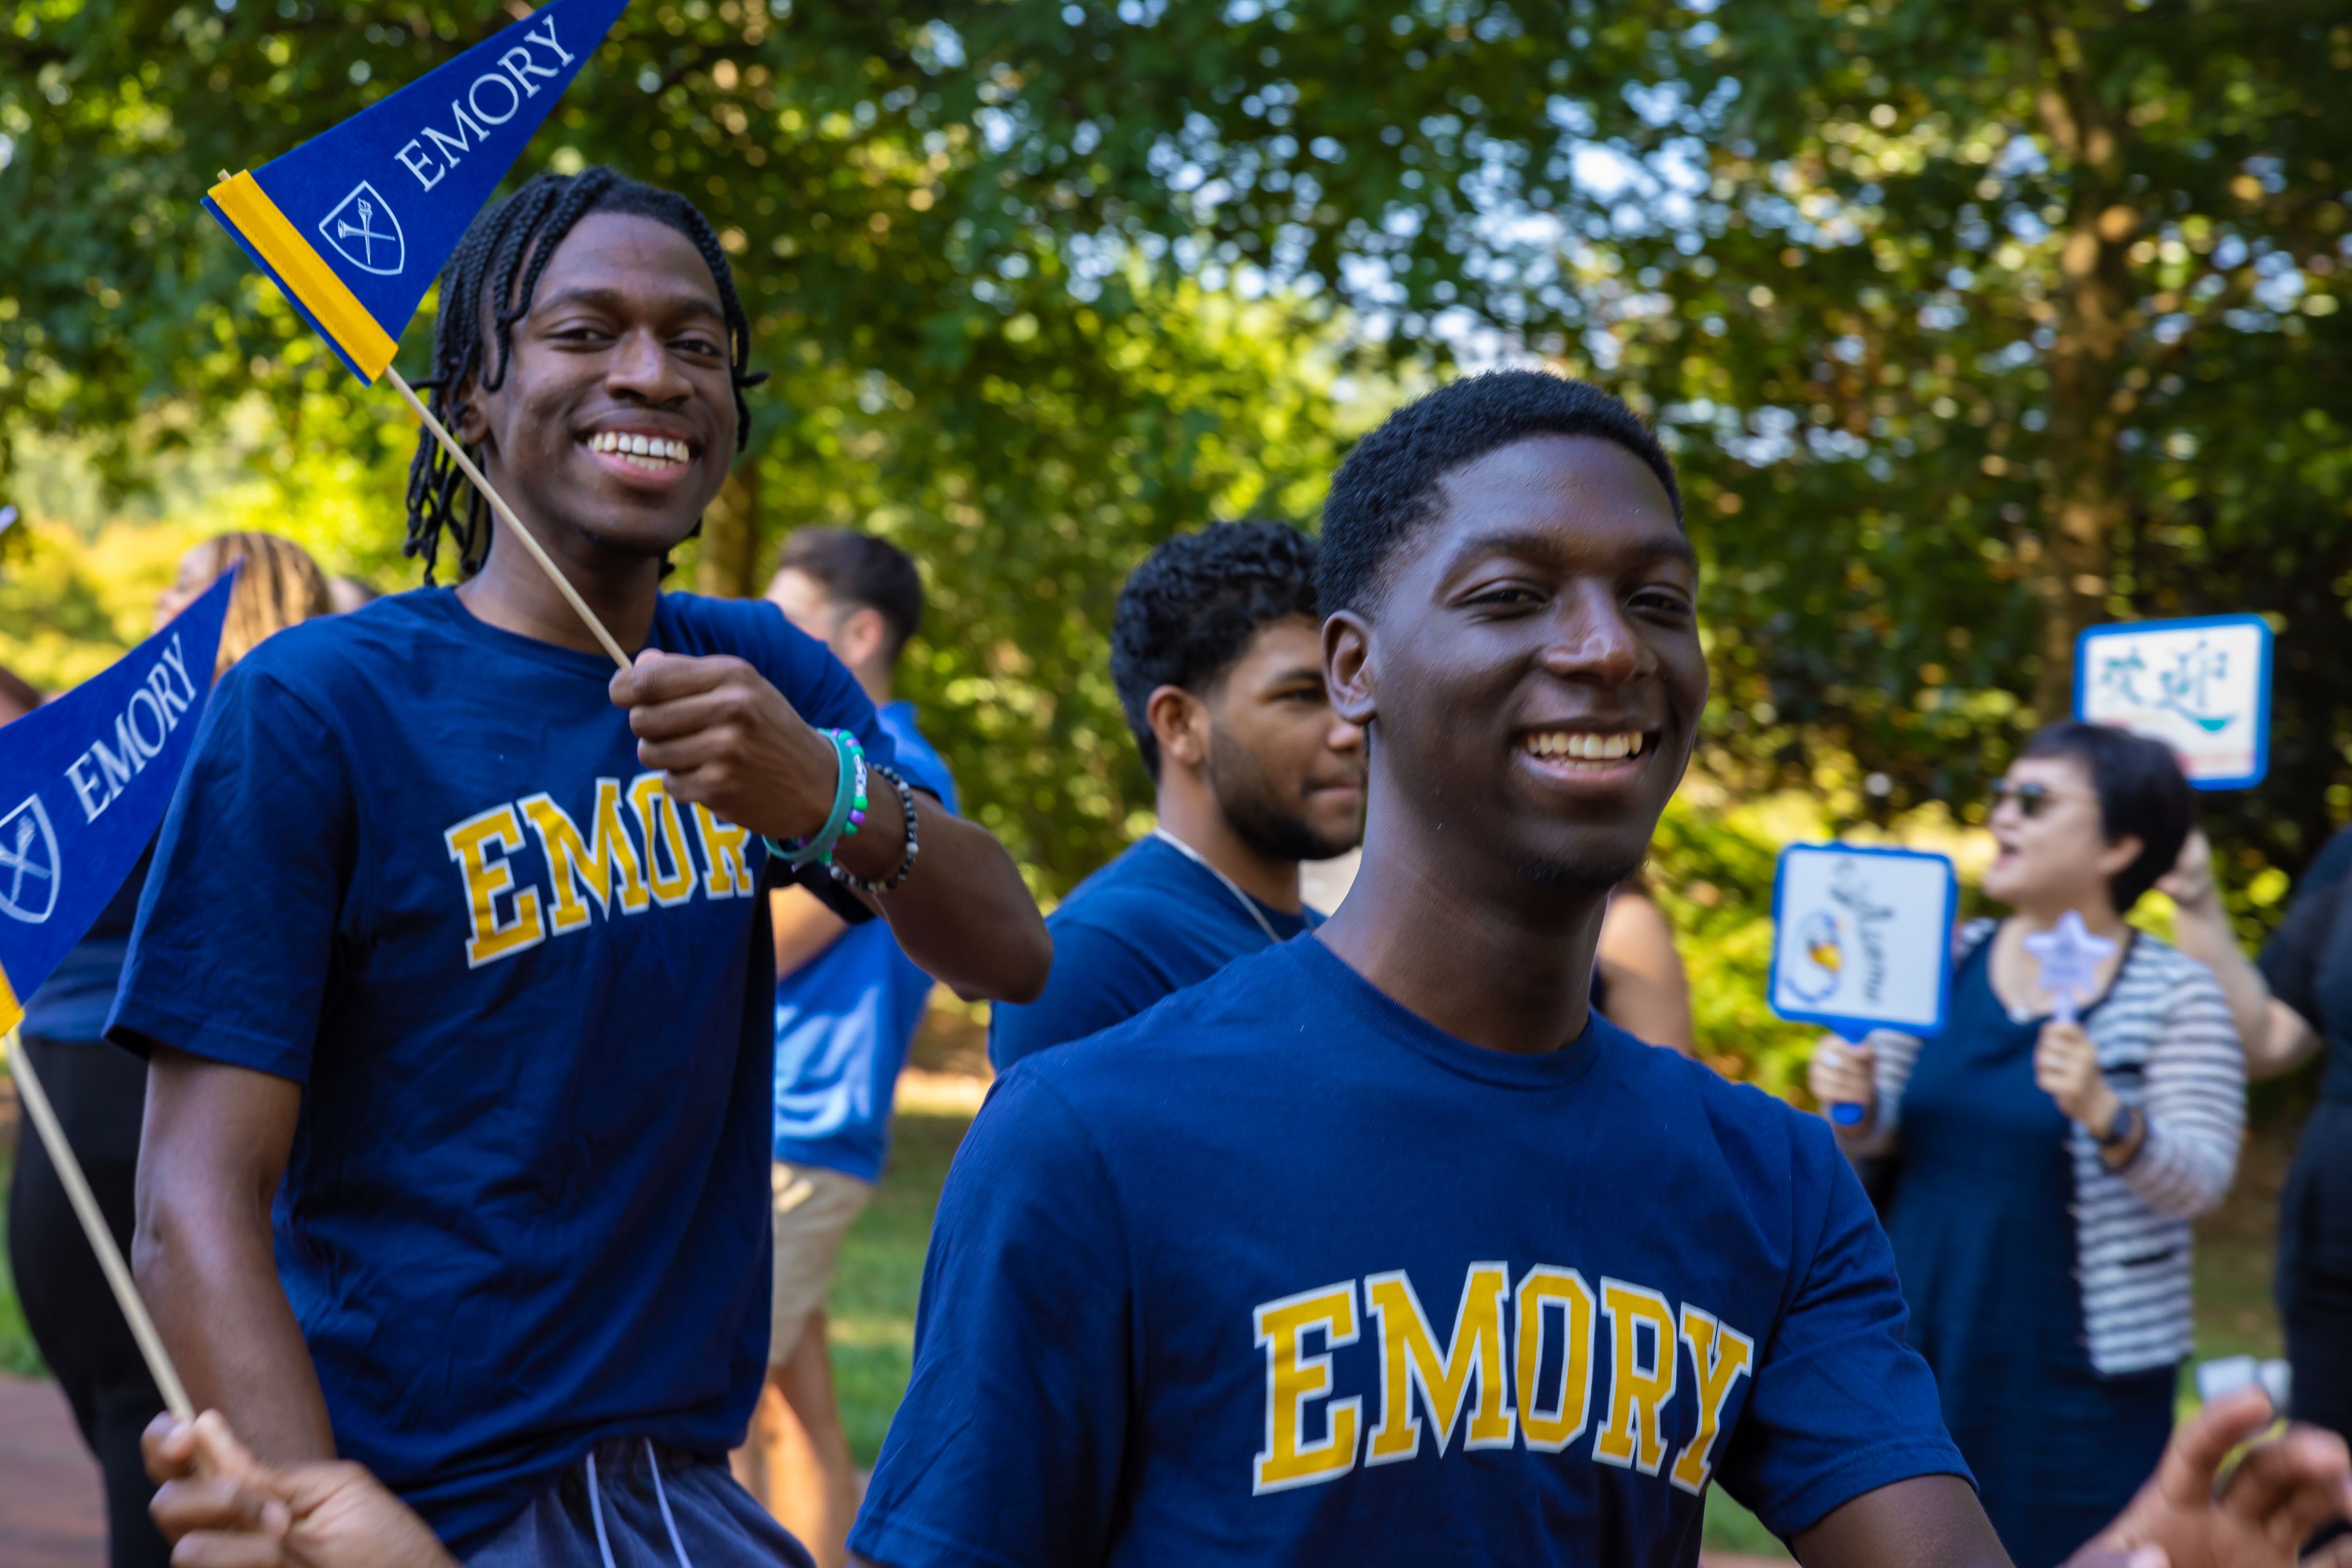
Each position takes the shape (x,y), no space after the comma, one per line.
(415,866)
(1149,923)
(1386,1297)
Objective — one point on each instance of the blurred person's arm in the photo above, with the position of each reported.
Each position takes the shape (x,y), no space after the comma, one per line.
(2275,1037)
(16,698)
(803,927)
(1649,994)
(210,1155)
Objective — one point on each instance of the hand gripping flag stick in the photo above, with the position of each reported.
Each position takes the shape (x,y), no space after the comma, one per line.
(93,1224)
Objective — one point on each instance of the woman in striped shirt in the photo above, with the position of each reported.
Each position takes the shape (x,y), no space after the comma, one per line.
(2046,1171)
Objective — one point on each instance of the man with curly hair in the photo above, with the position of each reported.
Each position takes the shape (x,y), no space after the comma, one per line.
(1215,654)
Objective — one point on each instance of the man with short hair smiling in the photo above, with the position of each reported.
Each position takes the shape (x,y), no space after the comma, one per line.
(1215,652)
(454,952)
(1384,1247)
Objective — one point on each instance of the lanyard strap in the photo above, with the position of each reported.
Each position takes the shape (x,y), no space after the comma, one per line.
(1244,899)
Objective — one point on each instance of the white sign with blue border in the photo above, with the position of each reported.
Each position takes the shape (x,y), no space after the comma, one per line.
(2202,686)
(1862,938)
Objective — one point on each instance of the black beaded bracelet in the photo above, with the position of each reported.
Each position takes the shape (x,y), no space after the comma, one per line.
(914,845)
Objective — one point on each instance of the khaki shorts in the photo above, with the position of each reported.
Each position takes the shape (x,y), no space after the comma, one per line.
(813,1211)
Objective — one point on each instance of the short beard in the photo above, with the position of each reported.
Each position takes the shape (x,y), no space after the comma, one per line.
(1591,875)
(1253,809)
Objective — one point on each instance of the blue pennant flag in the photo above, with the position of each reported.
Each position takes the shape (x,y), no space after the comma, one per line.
(83,783)
(355,225)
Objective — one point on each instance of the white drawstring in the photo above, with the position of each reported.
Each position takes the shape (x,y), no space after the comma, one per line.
(662,1498)
(670,1520)
(596,1508)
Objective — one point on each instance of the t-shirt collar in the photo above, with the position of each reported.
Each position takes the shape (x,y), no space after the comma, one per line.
(1510,1070)
(444,603)
(1286,924)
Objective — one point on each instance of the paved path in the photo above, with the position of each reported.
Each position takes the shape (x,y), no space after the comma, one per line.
(52,1513)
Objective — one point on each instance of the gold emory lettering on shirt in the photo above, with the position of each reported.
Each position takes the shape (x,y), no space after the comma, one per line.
(1487,1387)
(632,856)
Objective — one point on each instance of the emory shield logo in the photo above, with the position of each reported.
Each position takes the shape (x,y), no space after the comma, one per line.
(28,863)
(365,234)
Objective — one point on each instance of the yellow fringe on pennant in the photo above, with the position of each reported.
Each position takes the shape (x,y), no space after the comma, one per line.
(330,301)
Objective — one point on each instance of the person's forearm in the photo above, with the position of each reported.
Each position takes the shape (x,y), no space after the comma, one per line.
(965,915)
(208,1272)
(803,927)
(2202,931)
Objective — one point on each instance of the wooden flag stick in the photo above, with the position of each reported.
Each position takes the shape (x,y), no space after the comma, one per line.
(514,524)
(93,1225)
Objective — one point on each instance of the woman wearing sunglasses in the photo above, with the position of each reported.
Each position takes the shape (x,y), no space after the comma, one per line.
(2045,1171)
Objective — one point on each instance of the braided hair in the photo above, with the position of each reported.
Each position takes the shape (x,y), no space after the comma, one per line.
(499,261)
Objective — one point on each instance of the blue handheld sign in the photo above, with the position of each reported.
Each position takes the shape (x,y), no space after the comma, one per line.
(2202,686)
(1862,940)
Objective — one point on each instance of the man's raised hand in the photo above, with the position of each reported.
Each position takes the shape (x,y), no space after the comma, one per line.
(2279,1494)
(726,738)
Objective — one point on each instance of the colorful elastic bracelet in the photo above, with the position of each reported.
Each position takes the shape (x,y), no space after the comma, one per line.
(848,813)
(914,845)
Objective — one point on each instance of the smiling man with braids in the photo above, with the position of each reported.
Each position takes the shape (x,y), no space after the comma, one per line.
(455,950)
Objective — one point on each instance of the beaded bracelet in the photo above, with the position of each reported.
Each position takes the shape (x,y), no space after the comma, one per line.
(848,813)
(914,845)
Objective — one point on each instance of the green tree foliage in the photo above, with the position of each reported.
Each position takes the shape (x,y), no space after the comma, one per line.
(1028,439)
(1971,325)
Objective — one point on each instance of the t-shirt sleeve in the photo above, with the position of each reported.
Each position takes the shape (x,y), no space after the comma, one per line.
(1097,980)
(235,939)
(818,686)
(1009,1448)
(2291,960)
(1841,1405)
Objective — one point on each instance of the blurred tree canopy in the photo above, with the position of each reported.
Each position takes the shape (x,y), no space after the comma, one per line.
(1969,326)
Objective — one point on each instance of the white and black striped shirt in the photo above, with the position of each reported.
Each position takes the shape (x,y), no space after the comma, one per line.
(2167,1046)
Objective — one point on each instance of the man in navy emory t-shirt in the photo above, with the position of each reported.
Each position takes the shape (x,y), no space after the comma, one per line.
(1215,652)
(1380,1247)
(455,943)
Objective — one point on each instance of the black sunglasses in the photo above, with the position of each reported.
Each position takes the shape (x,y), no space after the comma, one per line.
(2030,796)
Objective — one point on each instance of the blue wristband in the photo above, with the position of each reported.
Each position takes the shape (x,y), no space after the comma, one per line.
(848,806)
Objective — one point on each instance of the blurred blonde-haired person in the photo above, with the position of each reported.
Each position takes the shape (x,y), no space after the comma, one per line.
(100,1091)
(279,586)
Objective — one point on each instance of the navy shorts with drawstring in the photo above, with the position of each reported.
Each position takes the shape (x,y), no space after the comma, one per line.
(631,1503)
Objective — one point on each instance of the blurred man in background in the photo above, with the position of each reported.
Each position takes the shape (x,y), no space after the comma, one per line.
(1216,652)
(847,1003)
